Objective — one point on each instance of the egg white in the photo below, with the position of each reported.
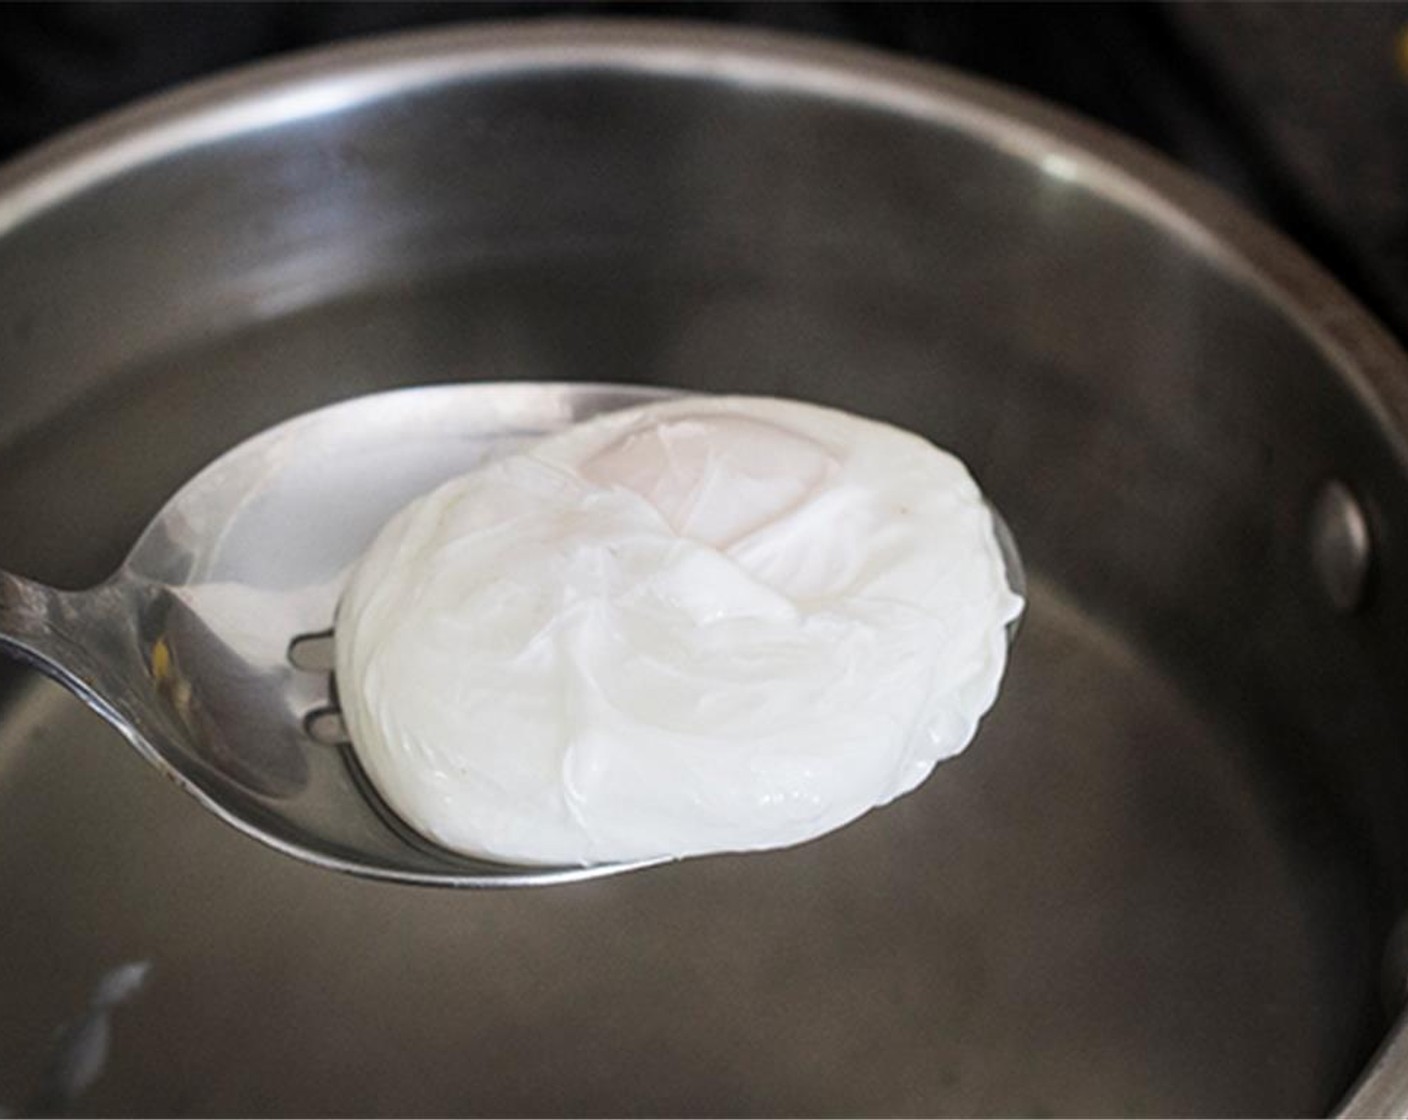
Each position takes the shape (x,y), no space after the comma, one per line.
(709,624)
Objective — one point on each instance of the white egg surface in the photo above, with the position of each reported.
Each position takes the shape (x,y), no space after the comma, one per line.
(710,624)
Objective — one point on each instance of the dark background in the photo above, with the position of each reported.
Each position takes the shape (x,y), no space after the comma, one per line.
(1301,110)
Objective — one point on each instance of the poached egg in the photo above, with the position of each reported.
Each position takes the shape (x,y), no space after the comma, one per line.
(709,624)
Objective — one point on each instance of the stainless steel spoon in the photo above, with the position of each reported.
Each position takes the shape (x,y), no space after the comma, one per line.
(208,649)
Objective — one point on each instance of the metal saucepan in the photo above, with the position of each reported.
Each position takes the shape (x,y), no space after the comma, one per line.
(1166,878)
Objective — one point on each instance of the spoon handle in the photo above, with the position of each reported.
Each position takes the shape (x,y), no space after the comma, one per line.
(86,641)
(45,627)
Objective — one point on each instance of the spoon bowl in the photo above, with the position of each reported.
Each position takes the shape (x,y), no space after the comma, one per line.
(209,648)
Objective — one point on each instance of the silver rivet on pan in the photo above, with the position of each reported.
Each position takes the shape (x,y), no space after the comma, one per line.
(1341,551)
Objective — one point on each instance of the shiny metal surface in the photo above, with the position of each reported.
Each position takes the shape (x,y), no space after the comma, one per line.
(185,650)
(1162,880)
